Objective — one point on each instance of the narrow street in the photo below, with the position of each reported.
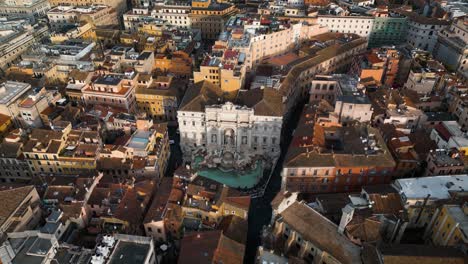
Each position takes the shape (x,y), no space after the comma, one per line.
(175,159)
(260,208)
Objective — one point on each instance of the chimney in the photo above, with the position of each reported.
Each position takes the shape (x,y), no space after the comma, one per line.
(346,217)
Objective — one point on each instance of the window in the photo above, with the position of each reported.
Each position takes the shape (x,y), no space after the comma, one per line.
(244,140)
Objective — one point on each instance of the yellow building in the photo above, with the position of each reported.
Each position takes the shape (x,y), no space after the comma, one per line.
(79,155)
(62,17)
(449,226)
(238,206)
(209,71)
(43,148)
(5,125)
(201,4)
(210,17)
(232,80)
(145,39)
(106,36)
(18,70)
(178,63)
(157,97)
(162,62)
(209,202)
(154,30)
(55,75)
(77,80)
(162,150)
(83,31)
(223,72)
(129,39)
(64,151)
(33,75)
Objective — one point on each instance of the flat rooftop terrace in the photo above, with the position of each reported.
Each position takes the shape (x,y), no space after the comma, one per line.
(11,90)
(437,187)
(129,252)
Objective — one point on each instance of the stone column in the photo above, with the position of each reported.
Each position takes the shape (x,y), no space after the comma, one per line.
(238,139)
(249,137)
(220,140)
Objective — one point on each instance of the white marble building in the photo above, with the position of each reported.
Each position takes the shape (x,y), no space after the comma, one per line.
(236,128)
(230,127)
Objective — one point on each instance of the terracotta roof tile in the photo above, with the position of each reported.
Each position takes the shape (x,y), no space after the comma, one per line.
(321,232)
(11,199)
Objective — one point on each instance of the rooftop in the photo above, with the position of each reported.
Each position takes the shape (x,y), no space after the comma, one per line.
(67,48)
(357,145)
(161,199)
(321,232)
(438,187)
(140,139)
(214,7)
(9,91)
(78,9)
(31,249)
(356,98)
(443,158)
(10,149)
(422,251)
(200,246)
(414,17)
(10,200)
(129,252)
(109,80)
